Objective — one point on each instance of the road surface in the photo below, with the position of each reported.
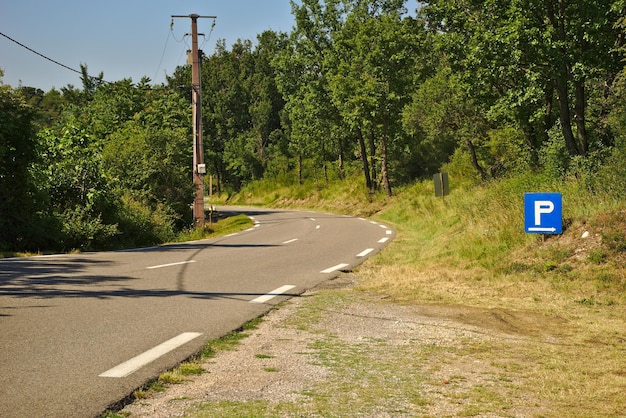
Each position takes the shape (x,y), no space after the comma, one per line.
(80,332)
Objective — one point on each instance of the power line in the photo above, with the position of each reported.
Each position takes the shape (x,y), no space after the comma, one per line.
(47,58)
(163,54)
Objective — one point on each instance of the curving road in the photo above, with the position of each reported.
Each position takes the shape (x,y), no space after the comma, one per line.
(80,332)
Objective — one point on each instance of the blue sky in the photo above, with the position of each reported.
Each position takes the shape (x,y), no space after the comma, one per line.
(123,39)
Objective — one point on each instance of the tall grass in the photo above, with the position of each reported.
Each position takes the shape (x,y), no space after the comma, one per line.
(470,247)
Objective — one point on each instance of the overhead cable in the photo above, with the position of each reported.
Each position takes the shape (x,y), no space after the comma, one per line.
(45,57)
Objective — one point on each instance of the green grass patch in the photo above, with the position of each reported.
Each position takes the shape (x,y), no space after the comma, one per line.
(263,356)
(219,228)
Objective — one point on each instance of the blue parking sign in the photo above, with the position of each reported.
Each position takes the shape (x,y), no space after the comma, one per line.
(543,213)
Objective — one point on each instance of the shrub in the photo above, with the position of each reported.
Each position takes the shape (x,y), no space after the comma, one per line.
(85,231)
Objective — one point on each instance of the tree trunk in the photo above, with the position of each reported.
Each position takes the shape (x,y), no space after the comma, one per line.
(565,117)
(563,72)
(532,141)
(372,145)
(472,150)
(342,171)
(218,178)
(579,116)
(366,168)
(324,166)
(383,166)
(547,117)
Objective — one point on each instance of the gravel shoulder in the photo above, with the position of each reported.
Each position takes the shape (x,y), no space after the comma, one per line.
(337,351)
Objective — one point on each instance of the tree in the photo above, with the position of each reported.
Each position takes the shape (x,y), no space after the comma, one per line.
(445,117)
(518,55)
(346,74)
(241,106)
(116,168)
(17,154)
(374,75)
(302,77)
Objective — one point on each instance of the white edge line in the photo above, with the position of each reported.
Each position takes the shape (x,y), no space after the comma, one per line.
(335,268)
(170,264)
(149,356)
(388,232)
(290,241)
(383,240)
(383,226)
(365,252)
(273,294)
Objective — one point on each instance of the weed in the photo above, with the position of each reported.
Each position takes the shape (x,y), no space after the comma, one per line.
(171,377)
(263,356)
(590,301)
(616,241)
(597,256)
(550,266)
(188,369)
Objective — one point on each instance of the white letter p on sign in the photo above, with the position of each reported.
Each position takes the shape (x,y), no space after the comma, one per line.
(542,207)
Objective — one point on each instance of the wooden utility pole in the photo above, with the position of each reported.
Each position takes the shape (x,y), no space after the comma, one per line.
(199,168)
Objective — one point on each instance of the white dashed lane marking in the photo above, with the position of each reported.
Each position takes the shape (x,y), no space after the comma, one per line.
(149,356)
(277,292)
(365,252)
(170,264)
(335,268)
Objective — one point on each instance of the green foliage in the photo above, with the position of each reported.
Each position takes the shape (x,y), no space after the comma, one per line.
(143,225)
(18,206)
(611,175)
(84,231)
(114,170)
(555,159)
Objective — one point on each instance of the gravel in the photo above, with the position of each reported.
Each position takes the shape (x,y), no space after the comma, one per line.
(421,360)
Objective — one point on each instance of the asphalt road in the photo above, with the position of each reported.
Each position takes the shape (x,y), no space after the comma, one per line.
(80,332)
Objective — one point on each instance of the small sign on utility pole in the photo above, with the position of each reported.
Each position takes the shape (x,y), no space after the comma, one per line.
(442,188)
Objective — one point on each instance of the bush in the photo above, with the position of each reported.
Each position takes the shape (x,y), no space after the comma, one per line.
(141,225)
(609,179)
(553,156)
(84,231)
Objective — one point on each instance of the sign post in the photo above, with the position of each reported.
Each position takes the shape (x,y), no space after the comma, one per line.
(543,213)
(442,187)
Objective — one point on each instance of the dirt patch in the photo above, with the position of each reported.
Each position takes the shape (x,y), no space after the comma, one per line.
(338,351)
(513,323)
